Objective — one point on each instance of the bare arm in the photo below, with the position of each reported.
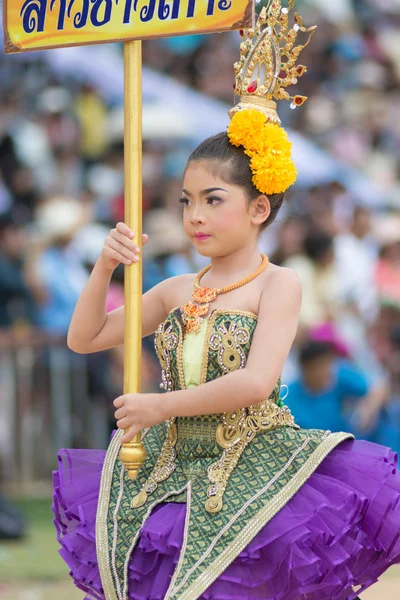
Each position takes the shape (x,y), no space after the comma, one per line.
(90,316)
(110,333)
(370,406)
(91,328)
(276,328)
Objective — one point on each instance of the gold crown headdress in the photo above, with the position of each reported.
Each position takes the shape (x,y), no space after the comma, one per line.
(267,66)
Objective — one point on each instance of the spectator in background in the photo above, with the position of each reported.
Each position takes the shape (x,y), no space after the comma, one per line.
(61,128)
(290,240)
(20,287)
(58,121)
(324,395)
(317,272)
(92,114)
(15,173)
(59,265)
(356,254)
(389,425)
(105,181)
(387,275)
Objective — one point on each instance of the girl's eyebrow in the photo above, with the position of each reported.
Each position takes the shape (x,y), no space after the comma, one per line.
(207,191)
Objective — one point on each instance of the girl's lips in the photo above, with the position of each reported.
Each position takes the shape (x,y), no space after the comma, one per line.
(201,237)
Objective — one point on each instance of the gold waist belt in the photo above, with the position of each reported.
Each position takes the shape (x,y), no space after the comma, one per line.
(202,428)
(232,431)
(228,428)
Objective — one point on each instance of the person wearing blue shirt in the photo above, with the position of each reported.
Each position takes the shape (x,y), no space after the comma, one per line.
(323,396)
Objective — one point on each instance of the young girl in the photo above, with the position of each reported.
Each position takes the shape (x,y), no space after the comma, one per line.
(234,500)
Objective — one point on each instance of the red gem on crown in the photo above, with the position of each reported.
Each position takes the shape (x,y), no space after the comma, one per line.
(252,87)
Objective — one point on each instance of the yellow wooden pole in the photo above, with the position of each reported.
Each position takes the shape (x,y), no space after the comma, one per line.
(133,454)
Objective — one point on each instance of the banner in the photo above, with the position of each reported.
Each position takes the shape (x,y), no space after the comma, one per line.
(41,24)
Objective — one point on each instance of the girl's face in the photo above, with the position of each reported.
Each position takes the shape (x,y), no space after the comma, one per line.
(216,215)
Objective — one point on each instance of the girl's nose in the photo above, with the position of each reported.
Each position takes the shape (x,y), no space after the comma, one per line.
(197,217)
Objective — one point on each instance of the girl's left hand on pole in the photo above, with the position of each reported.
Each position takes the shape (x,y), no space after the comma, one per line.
(136,412)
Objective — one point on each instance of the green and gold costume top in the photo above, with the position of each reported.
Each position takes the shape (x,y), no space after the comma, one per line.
(234,470)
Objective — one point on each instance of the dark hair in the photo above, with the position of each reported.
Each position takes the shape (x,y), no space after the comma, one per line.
(317,244)
(7,221)
(219,149)
(395,337)
(313,349)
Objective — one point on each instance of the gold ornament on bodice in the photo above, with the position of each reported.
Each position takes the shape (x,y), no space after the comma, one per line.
(197,307)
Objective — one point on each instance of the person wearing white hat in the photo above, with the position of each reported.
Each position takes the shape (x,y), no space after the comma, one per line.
(58,265)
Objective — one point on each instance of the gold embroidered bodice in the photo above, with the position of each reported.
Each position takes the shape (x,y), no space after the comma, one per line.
(234,471)
(221,347)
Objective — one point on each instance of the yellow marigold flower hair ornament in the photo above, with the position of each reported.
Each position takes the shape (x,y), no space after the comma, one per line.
(266,67)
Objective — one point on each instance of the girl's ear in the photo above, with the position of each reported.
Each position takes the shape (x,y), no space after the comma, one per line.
(260,209)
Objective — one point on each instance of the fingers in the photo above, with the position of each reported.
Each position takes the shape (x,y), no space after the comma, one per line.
(123,420)
(123,253)
(120,413)
(119,245)
(125,230)
(129,436)
(118,402)
(124,240)
(123,423)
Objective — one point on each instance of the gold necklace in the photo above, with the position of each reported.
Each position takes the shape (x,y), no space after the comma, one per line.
(192,313)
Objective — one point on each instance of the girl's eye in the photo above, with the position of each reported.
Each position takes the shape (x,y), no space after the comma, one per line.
(212,199)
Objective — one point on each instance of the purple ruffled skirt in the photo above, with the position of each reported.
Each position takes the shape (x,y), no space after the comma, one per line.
(341,529)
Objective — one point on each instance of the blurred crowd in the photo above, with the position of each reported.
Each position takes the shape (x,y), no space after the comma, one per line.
(61,190)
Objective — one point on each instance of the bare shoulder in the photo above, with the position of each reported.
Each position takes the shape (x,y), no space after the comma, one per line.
(180,281)
(282,281)
(175,289)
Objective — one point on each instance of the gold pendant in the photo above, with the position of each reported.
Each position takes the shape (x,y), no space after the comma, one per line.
(204,295)
(191,314)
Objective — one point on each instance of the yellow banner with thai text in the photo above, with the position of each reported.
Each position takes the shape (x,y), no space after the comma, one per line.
(40,24)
